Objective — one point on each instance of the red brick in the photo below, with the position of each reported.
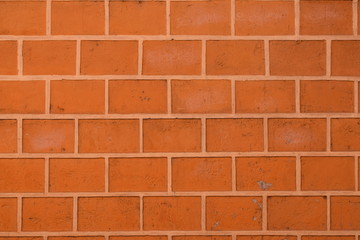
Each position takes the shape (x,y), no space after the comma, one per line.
(235,57)
(151,237)
(327,96)
(172,57)
(310,213)
(265,173)
(294,58)
(22,175)
(48,136)
(233,213)
(77,238)
(77,96)
(328,238)
(344,213)
(345,134)
(21,238)
(49,57)
(172,135)
(200,18)
(22,17)
(269,237)
(49,214)
(8,215)
(297,134)
(234,135)
(146,18)
(77,17)
(264,17)
(201,96)
(207,237)
(327,173)
(8,56)
(137,96)
(138,174)
(109,57)
(265,96)
(201,174)
(8,133)
(108,213)
(172,213)
(109,136)
(77,175)
(345,58)
(325,17)
(22,97)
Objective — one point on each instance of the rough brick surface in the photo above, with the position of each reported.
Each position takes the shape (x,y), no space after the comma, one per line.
(179,119)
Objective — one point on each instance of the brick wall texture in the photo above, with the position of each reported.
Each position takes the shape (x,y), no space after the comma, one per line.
(179,120)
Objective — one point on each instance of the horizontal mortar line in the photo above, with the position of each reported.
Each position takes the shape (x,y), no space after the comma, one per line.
(175,154)
(174,77)
(180,37)
(190,232)
(185,194)
(146,116)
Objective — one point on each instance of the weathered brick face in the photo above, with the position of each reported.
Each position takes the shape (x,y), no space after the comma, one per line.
(179,119)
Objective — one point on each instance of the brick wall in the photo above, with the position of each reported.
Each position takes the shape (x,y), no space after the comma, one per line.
(179,120)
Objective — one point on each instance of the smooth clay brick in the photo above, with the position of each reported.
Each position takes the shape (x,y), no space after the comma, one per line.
(345,58)
(138,174)
(8,133)
(8,57)
(200,17)
(344,212)
(8,214)
(172,213)
(310,213)
(264,17)
(345,134)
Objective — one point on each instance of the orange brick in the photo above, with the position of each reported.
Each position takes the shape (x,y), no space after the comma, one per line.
(345,134)
(77,175)
(264,17)
(327,96)
(172,57)
(146,18)
(49,57)
(200,18)
(22,97)
(233,213)
(201,174)
(327,173)
(47,214)
(270,237)
(345,58)
(325,17)
(151,237)
(344,213)
(235,57)
(207,237)
(310,213)
(109,135)
(21,238)
(201,96)
(137,96)
(265,173)
(8,215)
(77,96)
(77,17)
(108,213)
(48,136)
(109,57)
(22,17)
(138,174)
(77,238)
(265,96)
(328,238)
(172,135)
(8,136)
(234,135)
(8,56)
(293,58)
(22,175)
(287,135)
(172,213)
